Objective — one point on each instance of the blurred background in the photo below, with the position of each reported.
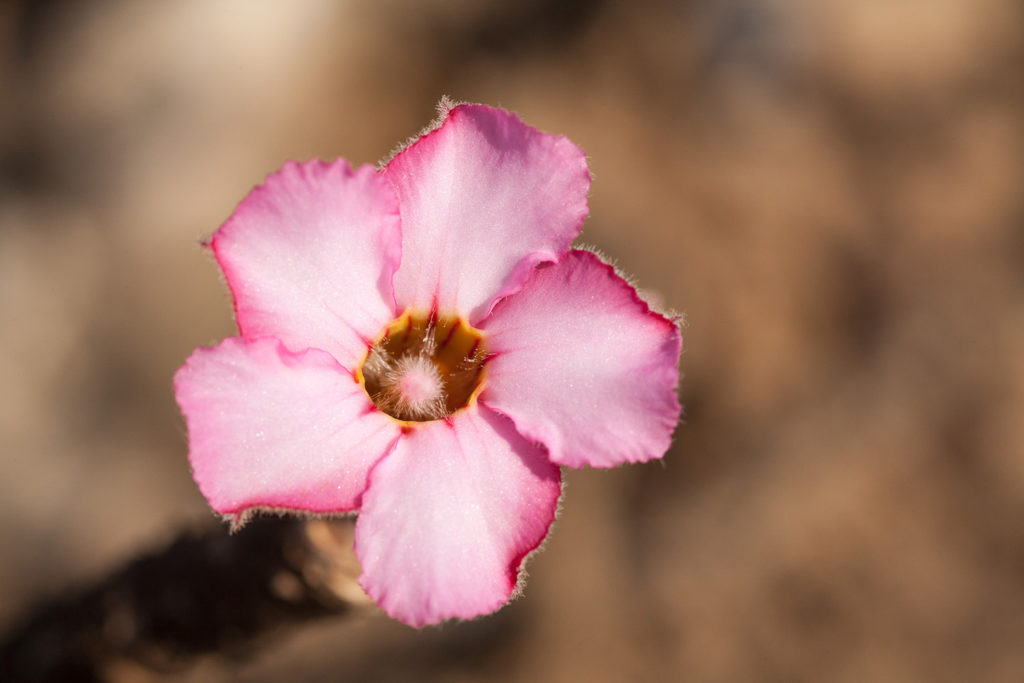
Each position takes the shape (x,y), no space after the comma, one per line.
(832,191)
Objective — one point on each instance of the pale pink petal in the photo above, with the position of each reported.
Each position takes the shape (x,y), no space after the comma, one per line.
(583,366)
(272,428)
(449,516)
(310,257)
(483,199)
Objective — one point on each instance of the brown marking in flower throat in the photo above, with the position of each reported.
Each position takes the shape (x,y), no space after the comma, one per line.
(424,367)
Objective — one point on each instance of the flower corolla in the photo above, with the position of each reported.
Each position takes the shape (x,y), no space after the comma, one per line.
(419,344)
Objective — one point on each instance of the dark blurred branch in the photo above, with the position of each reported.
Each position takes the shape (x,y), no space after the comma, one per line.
(206,592)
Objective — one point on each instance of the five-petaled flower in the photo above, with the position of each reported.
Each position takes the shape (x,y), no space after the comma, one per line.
(420,344)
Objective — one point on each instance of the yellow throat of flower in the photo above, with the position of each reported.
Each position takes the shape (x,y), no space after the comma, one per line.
(424,367)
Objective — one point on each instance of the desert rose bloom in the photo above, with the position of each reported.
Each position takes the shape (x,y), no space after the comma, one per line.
(419,344)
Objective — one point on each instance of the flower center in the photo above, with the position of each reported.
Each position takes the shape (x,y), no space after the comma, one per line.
(424,367)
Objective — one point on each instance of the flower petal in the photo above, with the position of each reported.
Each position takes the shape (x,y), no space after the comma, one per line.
(583,366)
(449,516)
(271,428)
(483,199)
(310,257)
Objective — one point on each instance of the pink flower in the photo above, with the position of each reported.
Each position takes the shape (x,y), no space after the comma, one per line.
(420,344)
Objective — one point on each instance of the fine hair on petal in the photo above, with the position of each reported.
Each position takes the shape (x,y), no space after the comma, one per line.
(444,108)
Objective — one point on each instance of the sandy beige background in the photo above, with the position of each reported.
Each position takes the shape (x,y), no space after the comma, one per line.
(832,191)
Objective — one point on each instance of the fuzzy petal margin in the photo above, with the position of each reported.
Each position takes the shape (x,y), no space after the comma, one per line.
(483,198)
(310,256)
(449,516)
(583,366)
(271,428)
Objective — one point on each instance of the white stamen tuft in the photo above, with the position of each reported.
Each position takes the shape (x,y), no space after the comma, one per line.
(412,389)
